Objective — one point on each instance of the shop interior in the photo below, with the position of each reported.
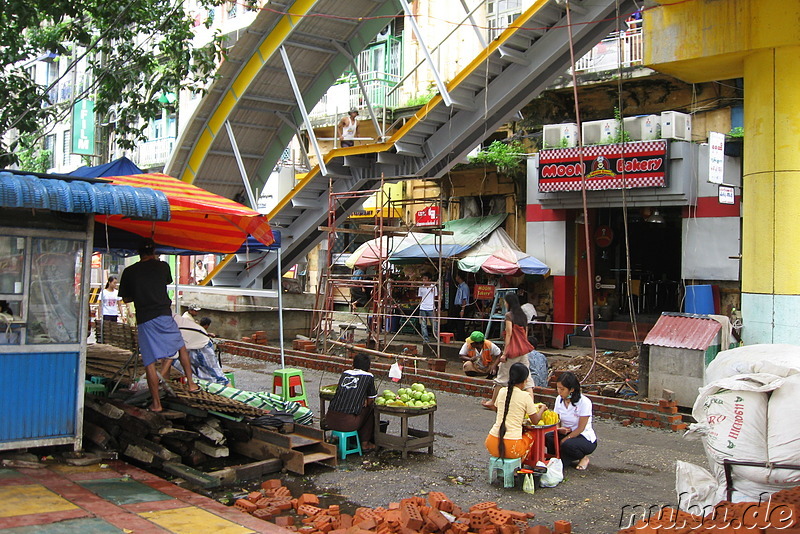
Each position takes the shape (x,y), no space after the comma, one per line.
(654,246)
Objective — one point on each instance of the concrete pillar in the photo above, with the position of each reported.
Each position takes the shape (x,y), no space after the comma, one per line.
(771,216)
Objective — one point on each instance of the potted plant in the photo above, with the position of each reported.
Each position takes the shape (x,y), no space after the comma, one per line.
(734,140)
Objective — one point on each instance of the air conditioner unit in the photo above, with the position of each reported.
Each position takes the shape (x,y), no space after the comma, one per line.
(599,132)
(560,135)
(676,125)
(643,127)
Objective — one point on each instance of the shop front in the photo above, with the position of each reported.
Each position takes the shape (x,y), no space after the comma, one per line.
(654,224)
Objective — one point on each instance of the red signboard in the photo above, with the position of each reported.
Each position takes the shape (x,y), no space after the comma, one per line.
(428,217)
(483,292)
(644,164)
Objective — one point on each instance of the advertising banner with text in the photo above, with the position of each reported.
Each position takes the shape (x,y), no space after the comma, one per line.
(644,164)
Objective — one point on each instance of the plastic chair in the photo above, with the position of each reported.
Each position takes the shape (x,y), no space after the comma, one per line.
(285,384)
(509,467)
(91,388)
(447,337)
(343,443)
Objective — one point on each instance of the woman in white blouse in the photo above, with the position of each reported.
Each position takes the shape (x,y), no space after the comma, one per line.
(575,433)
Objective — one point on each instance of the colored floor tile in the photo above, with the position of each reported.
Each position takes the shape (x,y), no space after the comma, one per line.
(192,520)
(68,469)
(84,526)
(30,499)
(8,473)
(121,491)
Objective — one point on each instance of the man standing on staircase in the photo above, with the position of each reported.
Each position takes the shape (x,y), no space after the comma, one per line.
(427,294)
(348,128)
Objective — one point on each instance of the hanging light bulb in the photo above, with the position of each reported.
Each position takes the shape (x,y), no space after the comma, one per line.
(656,218)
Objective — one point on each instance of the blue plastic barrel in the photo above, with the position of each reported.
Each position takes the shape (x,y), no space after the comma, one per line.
(699,300)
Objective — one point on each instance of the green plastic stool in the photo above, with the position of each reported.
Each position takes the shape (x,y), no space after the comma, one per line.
(95,389)
(231,381)
(343,443)
(288,384)
(509,467)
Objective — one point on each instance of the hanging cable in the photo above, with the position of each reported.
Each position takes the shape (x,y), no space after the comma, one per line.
(590,282)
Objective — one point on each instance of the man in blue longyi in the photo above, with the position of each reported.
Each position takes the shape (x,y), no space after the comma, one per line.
(145,284)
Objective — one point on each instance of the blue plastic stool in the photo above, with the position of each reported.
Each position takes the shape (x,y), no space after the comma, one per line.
(509,467)
(342,438)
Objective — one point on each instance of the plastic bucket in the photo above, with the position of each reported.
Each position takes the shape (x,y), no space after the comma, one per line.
(699,300)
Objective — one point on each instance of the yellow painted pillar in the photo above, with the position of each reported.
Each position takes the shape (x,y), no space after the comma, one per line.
(771,206)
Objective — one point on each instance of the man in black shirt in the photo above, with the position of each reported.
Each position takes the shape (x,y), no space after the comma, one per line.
(145,284)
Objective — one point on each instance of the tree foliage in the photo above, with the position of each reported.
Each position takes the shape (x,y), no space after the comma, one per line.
(136,51)
(507,157)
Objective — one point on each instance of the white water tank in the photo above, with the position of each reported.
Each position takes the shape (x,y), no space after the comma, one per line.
(675,125)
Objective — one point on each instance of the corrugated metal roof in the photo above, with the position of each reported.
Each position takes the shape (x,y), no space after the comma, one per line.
(683,332)
(82,196)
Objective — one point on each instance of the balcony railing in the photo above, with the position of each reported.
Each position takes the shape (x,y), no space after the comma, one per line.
(154,153)
(623,49)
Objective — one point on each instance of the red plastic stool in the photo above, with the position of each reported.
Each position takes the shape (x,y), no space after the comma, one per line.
(447,337)
(538,452)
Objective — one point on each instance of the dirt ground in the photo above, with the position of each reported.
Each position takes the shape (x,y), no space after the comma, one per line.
(631,466)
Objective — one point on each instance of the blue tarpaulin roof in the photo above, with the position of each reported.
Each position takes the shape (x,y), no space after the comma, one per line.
(119,167)
(73,195)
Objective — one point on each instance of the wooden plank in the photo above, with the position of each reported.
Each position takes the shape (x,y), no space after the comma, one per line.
(188,410)
(178,433)
(249,471)
(214,451)
(98,435)
(108,410)
(154,448)
(151,419)
(262,450)
(194,476)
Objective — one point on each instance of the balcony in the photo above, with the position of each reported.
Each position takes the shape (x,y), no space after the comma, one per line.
(154,153)
(618,50)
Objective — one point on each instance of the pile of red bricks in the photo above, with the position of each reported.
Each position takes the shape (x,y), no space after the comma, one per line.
(306,345)
(627,411)
(779,514)
(259,338)
(414,515)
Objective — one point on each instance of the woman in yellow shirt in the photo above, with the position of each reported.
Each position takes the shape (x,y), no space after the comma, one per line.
(507,438)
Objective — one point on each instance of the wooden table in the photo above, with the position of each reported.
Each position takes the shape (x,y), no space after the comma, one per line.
(409,439)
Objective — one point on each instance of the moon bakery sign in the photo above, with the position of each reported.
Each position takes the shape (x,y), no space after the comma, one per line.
(629,165)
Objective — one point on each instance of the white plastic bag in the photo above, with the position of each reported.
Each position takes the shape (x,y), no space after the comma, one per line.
(554,474)
(395,372)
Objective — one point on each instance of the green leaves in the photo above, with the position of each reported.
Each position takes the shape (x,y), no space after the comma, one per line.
(130,52)
(505,156)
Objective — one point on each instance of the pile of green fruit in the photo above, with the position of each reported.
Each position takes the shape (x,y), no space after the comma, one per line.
(330,390)
(412,397)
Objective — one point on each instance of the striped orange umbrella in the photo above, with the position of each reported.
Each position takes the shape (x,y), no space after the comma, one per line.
(199,220)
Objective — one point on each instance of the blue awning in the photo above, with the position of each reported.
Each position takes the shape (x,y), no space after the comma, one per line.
(119,167)
(60,193)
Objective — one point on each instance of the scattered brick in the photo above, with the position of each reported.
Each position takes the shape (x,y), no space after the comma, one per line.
(263,513)
(284,521)
(538,530)
(562,527)
(245,506)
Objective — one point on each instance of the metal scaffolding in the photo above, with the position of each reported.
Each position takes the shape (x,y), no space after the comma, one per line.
(381,310)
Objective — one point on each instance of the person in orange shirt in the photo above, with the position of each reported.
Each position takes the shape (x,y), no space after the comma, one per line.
(480,356)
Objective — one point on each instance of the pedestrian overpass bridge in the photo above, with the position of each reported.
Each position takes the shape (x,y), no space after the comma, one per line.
(294,51)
